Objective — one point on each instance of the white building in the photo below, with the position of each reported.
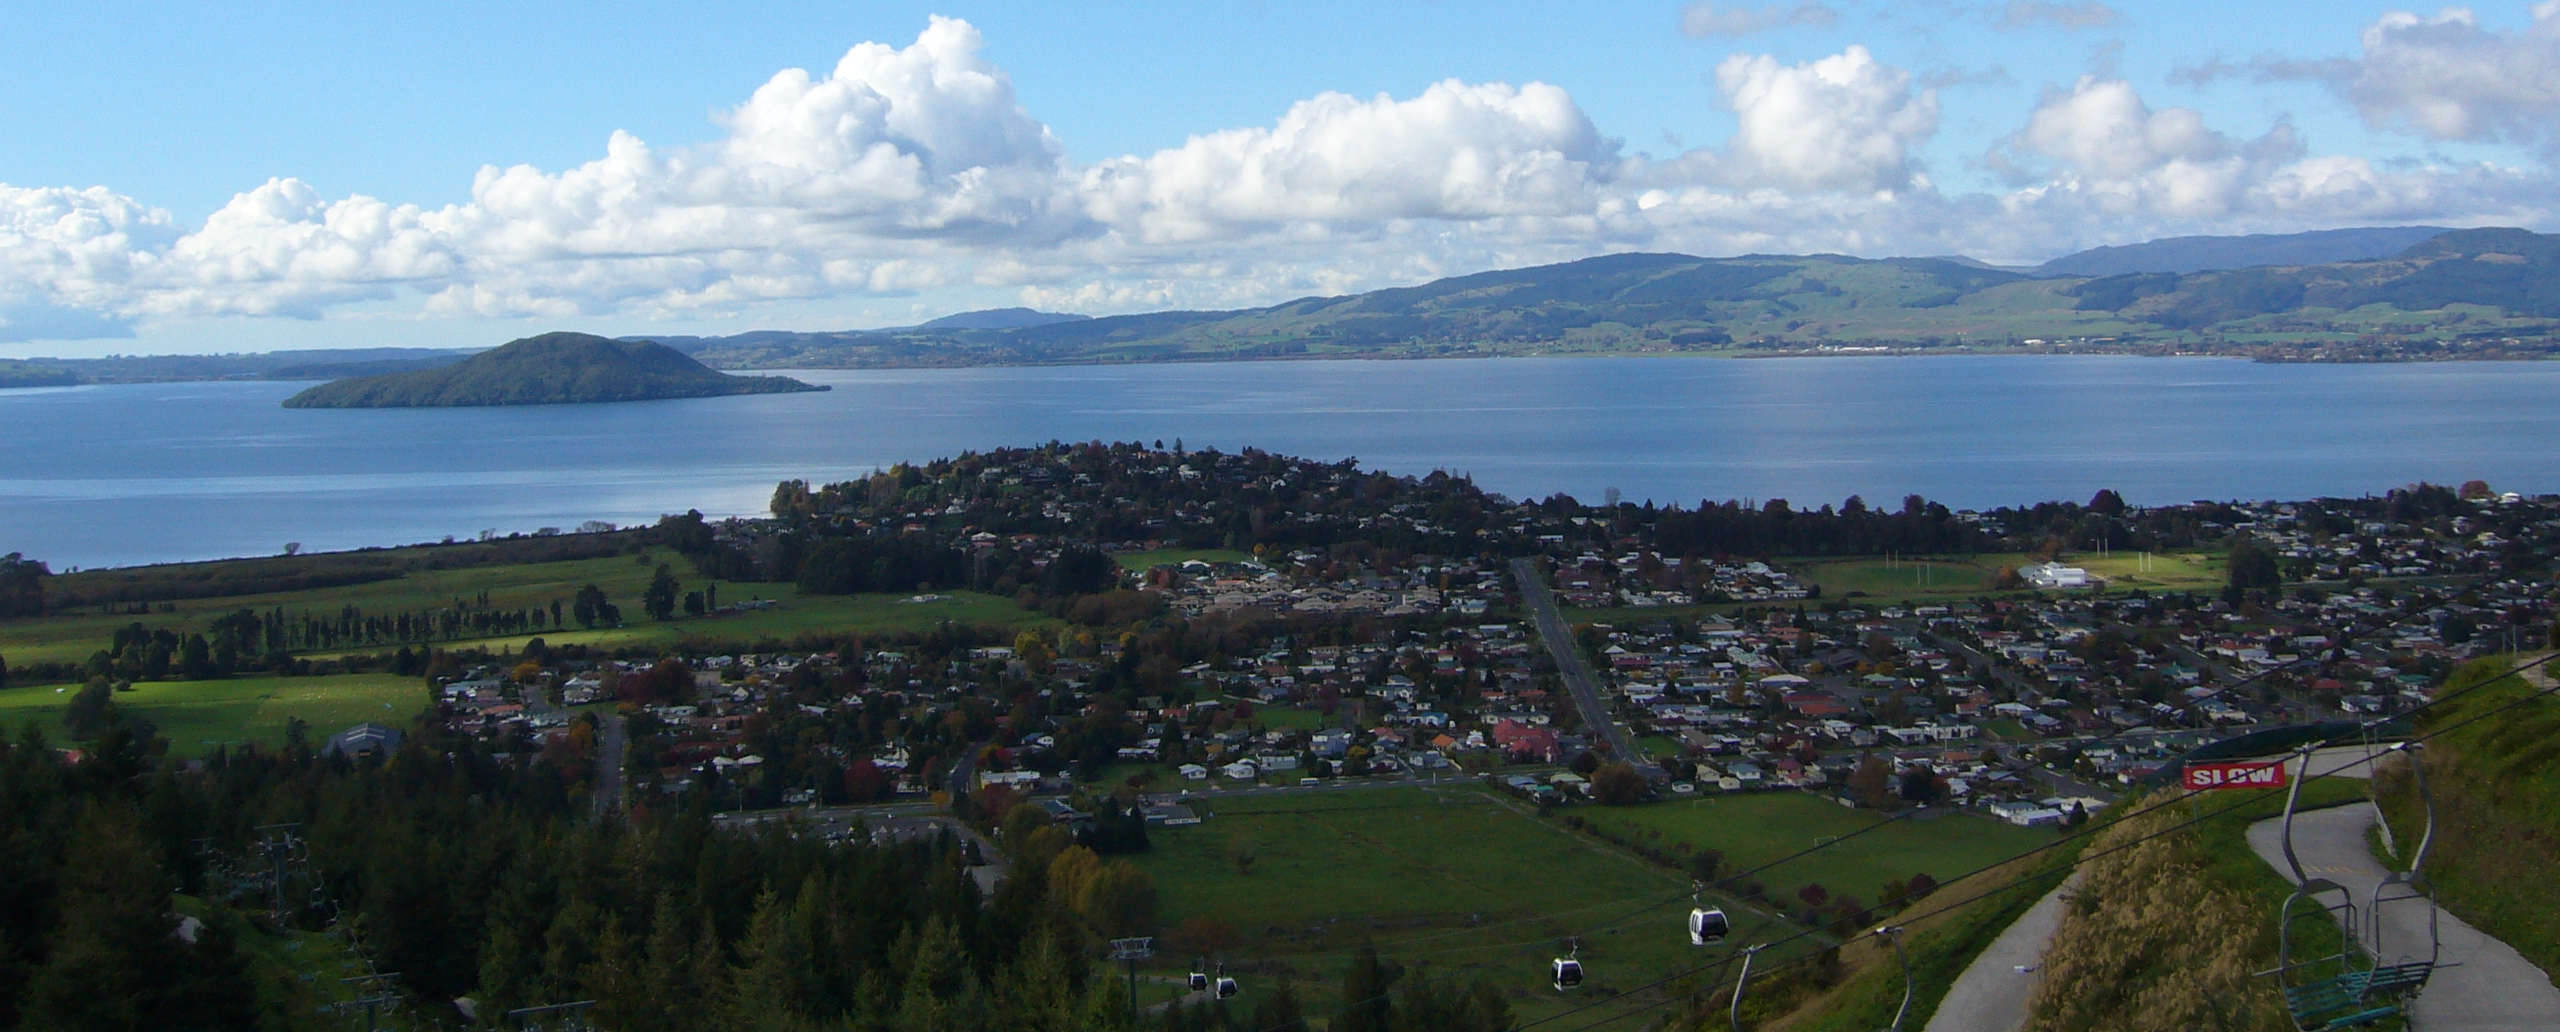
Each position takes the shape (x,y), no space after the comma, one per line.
(2055,575)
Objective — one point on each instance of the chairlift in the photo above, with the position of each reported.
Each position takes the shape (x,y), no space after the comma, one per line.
(2402,975)
(1893,934)
(1568,968)
(2333,990)
(1742,982)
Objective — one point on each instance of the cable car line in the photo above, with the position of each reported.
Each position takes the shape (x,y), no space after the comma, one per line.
(2364,728)
(2250,799)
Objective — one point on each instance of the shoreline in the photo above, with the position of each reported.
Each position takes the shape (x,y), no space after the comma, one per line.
(2264,354)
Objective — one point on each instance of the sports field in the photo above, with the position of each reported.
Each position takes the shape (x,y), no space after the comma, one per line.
(1941,577)
(1141,561)
(197,716)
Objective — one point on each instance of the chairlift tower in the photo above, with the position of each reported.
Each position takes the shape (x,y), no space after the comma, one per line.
(376,995)
(288,858)
(554,1017)
(1129,952)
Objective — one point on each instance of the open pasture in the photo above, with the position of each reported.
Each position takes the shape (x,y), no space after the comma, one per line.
(1757,828)
(198,716)
(72,637)
(1455,882)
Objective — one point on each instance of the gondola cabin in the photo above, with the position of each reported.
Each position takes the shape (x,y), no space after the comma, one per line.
(1226,988)
(1568,973)
(1707,926)
(1199,981)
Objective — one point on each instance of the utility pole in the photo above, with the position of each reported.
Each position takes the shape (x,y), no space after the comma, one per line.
(1129,952)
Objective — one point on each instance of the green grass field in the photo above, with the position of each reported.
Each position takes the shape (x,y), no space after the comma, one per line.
(1757,828)
(1451,881)
(196,716)
(1946,577)
(1141,561)
(71,638)
(1278,718)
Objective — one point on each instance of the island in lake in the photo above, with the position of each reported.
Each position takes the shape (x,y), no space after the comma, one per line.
(552,369)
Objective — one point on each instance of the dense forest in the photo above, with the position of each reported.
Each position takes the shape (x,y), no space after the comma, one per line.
(138,896)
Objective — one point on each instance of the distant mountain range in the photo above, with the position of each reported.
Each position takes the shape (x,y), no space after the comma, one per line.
(2208,253)
(552,369)
(2451,293)
(2376,293)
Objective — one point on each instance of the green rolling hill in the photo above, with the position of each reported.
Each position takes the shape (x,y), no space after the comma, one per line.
(2462,292)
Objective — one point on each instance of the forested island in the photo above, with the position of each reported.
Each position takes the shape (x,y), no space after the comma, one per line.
(551,369)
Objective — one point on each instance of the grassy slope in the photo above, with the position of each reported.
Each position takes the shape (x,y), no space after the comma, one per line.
(2170,933)
(1757,828)
(1943,932)
(1409,869)
(2496,784)
(196,716)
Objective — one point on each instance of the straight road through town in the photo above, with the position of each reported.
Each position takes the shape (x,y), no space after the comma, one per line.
(1577,675)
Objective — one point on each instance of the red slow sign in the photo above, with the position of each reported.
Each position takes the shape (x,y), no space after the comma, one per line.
(2204,777)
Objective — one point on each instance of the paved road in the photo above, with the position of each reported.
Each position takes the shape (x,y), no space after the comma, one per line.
(1577,675)
(616,742)
(2493,988)
(1992,994)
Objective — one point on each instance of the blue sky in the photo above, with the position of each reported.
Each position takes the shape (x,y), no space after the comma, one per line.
(319,175)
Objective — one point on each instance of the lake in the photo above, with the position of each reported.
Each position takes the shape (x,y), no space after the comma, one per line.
(124,474)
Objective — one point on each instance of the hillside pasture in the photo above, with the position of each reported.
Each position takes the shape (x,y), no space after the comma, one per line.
(1756,828)
(199,716)
(1457,882)
(72,637)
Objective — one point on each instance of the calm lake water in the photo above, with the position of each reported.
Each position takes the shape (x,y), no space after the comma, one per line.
(116,475)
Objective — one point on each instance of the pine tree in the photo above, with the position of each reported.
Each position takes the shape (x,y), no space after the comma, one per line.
(659,601)
(1280,1011)
(117,961)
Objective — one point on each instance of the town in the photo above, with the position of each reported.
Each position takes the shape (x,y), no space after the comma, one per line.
(1377,634)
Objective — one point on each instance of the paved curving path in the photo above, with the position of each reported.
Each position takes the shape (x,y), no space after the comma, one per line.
(1992,993)
(2488,987)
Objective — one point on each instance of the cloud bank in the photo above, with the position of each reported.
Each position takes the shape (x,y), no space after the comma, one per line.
(909,169)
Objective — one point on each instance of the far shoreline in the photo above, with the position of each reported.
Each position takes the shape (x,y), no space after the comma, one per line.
(1840,351)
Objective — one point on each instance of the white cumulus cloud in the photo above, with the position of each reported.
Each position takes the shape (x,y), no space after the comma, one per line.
(1457,152)
(1843,122)
(912,169)
(2445,77)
